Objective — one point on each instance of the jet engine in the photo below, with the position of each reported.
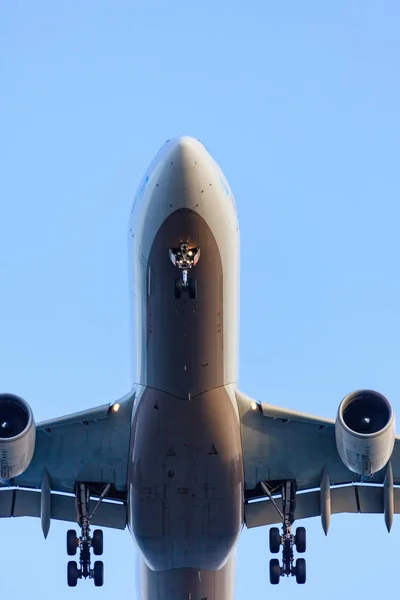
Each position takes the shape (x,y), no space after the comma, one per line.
(17,436)
(365,432)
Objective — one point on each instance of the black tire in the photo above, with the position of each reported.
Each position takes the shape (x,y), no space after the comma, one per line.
(72,573)
(274,571)
(301,539)
(192,288)
(97,542)
(178,288)
(274,540)
(72,542)
(300,570)
(98,573)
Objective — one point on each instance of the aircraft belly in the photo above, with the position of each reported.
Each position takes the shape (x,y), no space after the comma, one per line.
(186,480)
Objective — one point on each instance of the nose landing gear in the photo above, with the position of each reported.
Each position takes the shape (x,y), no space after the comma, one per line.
(185,258)
(287,540)
(85,543)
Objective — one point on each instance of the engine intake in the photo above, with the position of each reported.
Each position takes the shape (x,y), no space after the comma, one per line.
(17,436)
(365,432)
(366,413)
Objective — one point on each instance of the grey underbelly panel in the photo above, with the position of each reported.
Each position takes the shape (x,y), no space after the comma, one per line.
(188,584)
(186,479)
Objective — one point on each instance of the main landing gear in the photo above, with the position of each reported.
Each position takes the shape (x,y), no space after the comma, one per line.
(185,258)
(85,543)
(287,540)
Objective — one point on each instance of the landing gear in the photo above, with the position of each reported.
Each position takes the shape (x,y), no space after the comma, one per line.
(72,573)
(274,540)
(98,573)
(97,542)
(300,540)
(287,540)
(274,571)
(192,288)
(72,542)
(85,543)
(178,288)
(185,258)
(300,570)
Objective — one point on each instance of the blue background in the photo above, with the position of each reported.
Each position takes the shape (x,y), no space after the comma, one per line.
(299,103)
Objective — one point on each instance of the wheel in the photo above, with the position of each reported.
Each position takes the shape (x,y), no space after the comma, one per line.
(301,539)
(97,542)
(72,542)
(72,573)
(300,570)
(178,288)
(274,540)
(192,288)
(98,573)
(274,571)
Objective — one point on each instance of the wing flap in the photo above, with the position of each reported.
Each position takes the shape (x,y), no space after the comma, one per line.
(347,499)
(26,503)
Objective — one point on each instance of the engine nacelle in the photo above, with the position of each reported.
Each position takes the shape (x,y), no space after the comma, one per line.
(365,432)
(17,436)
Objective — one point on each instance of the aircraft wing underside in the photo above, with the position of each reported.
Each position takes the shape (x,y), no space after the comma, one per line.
(90,447)
(281,445)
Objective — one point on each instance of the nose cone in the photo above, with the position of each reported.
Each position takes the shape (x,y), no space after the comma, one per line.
(183,175)
(175,180)
(184,151)
(186,143)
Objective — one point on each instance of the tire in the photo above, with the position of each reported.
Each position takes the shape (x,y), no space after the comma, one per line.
(300,570)
(98,573)
(72,573)
(274,571)
(97,542)
(274,540)
(192,288)
(72,542)
(301,539)
(177,289)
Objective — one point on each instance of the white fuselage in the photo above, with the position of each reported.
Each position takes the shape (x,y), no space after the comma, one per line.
(186,468)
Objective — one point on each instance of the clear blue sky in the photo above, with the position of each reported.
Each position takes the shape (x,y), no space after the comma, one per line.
(299,103)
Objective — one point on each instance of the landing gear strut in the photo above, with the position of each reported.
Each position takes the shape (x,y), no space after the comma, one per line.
(185,258)
(287,539)
(85,543)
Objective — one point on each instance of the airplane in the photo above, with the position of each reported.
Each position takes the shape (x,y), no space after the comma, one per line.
(186,459)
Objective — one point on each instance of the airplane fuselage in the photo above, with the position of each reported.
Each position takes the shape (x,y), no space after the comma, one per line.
(186,469)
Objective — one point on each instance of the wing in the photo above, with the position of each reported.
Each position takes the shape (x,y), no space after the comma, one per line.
(281,445)
(90,447)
